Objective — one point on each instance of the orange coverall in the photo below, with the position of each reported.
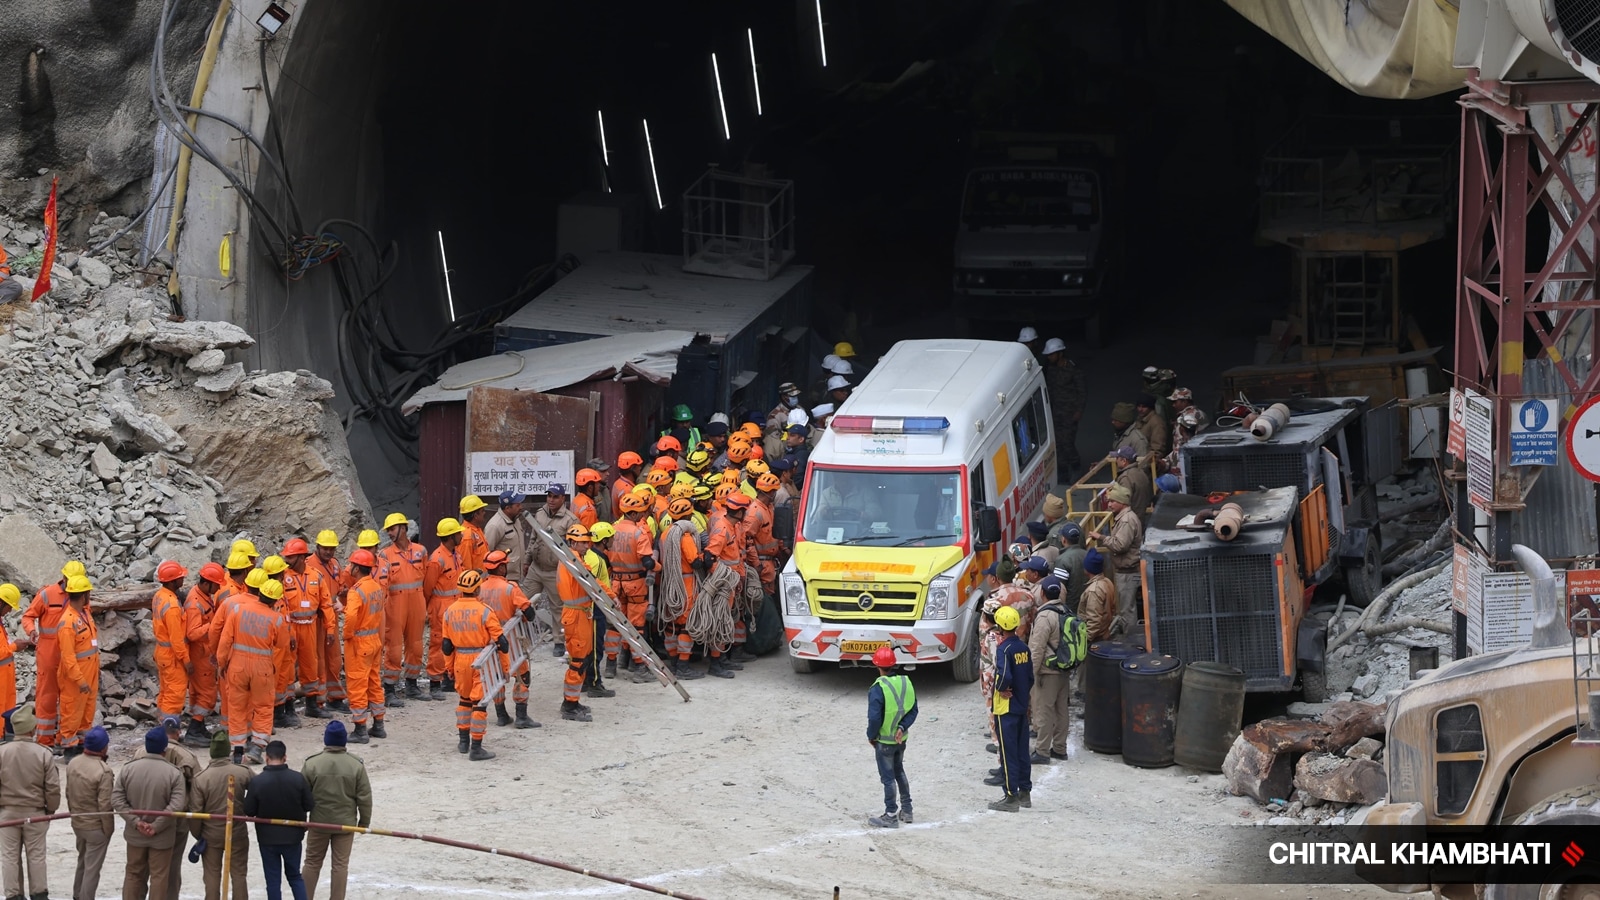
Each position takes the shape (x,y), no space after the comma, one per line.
(197,613)
(619,489)
(336,578)
(78,674)
(758,525)
(172,652)
(405,611)
(690,548)
(629,550)
(577,622)
(439,586)
(473,547)
(363,649)
(471,626)
(305,597)
(255,638)
(583,507)
(506,601)
(8,673)
(727,543)
(40,622)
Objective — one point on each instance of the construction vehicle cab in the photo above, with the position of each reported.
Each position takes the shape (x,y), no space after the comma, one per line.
(946,446)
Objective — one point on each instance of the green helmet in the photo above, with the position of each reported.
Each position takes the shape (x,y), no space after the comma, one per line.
(681,413)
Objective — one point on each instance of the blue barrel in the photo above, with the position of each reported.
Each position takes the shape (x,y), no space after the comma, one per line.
(1102,695)
(1150,686)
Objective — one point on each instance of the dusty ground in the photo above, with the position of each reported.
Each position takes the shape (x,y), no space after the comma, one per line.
(760,788)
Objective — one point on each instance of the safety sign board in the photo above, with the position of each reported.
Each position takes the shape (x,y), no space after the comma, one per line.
(1534,426)
(1480,450)
(1583,439)
(1456,435)
(526,472)
(1583,596)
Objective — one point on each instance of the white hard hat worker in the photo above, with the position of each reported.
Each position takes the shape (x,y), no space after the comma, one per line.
(1028,335)
(1055,345)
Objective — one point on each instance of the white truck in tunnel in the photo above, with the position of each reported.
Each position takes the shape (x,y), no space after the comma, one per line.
(945,447)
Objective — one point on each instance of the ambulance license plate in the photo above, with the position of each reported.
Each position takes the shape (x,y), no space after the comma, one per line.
(861,646)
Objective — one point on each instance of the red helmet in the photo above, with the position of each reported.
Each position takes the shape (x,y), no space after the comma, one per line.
(213,573)
(666,463)
(364,557)
(586,476)
(171,571)
(668,442)
(295,547)
(883,657)
(737,500)
(495,558)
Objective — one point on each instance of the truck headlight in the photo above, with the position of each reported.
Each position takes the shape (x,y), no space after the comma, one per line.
(794,596)
(938,605)
(1072,279)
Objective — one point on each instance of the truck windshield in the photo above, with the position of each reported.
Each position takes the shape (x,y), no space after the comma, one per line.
(1044,197)
(884,508)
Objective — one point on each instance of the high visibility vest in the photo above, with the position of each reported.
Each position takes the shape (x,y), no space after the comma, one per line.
(898,698)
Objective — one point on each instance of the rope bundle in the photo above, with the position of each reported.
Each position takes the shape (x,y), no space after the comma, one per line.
(754,595)
(711,620)
(672,595)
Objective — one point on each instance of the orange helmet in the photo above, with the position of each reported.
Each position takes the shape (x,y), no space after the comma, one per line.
(738,453)
(757,466)
(737,500)
(627,459)
(633,503)
(767,482)
(666,464)
(680,509)
(364,557)
(668,443)
(495,559)
(587,476)
(681,490)
(751,429)
(756,452)
(723,490)
(657,478)
(295,547)
(171,571)
(578,532)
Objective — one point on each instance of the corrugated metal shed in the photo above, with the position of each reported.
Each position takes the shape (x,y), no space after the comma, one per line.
(1559,521)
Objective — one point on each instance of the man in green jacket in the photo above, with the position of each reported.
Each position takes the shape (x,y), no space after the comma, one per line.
(343,796)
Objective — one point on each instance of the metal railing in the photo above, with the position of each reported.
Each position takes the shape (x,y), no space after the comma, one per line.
(738,227)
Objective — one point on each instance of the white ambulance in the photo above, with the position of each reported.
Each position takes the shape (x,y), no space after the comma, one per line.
(943,453)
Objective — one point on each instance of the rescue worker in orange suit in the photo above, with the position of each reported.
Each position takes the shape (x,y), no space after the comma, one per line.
(78,670)
(628,465)
(469,627)
(238,590)
(172,643)
(506,601)
(661,481)
(474,545)
(439,579)
(679,645)
(256,636)
(633,563)
(11,596)
(583,503)
(283,714)
(363,647)
(307,594)
(40,625)
(769,551)
(605,635)
(325,561)
(198,608)
(728,544)
(405,611)
(577,623)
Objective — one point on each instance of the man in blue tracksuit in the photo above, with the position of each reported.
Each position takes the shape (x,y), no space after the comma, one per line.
(891,708)
(1013,681)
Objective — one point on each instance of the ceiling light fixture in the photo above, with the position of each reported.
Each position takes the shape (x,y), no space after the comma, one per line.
(716,74)
(650,149)
(755,77)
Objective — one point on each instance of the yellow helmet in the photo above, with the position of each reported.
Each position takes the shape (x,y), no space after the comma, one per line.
(73,568)
(368,538)
(643,490)
(256,578)
(1007,618)
(237,560)
(447,527)
(701,492)
(79,584)
(843,350)
(272,565)
(756,468)
(326,538)
(468,581)
(682,491)
(712,480)
(393,520)
(471,504)
(11,596)
(245,547)
(602,530)
(698,460)
(272,590)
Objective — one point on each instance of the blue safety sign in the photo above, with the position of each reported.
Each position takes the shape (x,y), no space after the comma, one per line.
(1535,425)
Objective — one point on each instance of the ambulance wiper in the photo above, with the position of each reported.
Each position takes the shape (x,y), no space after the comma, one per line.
(925,537)
(865,537)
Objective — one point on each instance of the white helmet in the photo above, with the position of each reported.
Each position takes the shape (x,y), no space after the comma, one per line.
(1054,345)
(838,382)
(798,417)
(719,418)
(841,367)
(829,361)
(1028,334)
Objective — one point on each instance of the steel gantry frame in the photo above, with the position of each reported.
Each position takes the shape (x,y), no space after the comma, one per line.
(1511,296)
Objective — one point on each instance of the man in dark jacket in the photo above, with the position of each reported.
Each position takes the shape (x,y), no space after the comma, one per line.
(891,710)
(280,793)
(1013,682)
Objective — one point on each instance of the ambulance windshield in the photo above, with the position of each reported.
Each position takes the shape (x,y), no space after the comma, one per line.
(884,508)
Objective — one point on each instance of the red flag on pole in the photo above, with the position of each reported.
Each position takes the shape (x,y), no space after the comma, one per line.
(42,286)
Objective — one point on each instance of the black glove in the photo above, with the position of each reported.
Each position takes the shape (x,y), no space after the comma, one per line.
(525,677)
(501,644)
(528,612)
(448,646)
(700,564)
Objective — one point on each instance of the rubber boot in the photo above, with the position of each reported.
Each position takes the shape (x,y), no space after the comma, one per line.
(740,654)
(415,692)
(359,735)
(1025,799)
(501,717)
(574,712)
(522,717)
(313,711)
(290,717)
(392,698)
(682,671)
(336,706)
(197,736)
(449,683)
(611,668)
(463,740)
(252,755)
(599,689)
(279,719)
(478,754)
(435,689)
(377,730)
(719,669)
(640,673)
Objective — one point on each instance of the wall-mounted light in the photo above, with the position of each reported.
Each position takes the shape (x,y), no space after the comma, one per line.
(605,152)
(755,77)
(449,296)
(822,42)
(650,149)
(274,18)
(716,75)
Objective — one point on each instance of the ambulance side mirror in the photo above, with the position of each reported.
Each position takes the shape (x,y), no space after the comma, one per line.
(988,526)
(783,523)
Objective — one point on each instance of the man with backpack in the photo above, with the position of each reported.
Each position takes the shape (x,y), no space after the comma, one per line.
(1058,646)
(891,709)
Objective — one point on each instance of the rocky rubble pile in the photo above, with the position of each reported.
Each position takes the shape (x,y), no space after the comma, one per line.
(1322,771)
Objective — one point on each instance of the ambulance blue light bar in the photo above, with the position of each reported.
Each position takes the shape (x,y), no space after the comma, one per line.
(873,425)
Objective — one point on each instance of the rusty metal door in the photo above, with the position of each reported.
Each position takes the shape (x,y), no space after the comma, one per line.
(501,419)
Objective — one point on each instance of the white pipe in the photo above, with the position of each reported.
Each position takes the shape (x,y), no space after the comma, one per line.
(1549,629)
(1270,422)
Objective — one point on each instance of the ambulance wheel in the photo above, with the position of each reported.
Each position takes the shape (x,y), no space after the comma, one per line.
(1575,806)
(802,666)
(965,667)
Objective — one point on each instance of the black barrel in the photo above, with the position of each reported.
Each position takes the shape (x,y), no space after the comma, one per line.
(1150,685)
(1209,716)
(1102,695)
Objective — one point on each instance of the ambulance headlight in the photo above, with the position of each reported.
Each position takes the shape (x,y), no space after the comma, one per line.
(938,605)
(794,596)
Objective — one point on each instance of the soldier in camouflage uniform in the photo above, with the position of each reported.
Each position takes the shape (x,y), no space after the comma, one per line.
(1065,383)
(1159,384)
